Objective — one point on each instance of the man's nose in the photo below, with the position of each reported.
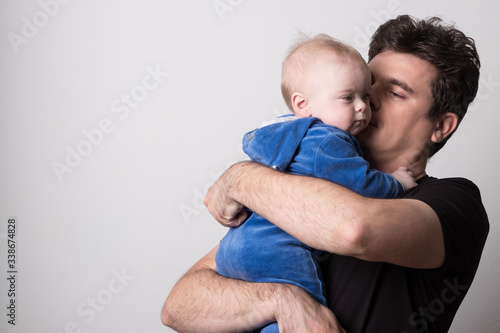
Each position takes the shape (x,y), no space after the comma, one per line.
(374,100)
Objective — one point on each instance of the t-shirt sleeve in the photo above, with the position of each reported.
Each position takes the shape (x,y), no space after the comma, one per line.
(335,155)
(457,203)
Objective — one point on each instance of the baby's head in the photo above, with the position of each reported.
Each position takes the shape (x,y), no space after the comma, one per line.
(325,78)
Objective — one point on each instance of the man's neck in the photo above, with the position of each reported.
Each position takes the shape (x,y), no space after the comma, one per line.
(415,162)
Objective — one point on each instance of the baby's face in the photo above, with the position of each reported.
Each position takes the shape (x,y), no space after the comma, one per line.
(339,94)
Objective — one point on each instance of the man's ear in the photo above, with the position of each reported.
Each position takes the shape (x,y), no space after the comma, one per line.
(300,105)
(445,127)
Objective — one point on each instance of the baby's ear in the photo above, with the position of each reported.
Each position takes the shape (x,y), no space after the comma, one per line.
(300,104)
(444,127)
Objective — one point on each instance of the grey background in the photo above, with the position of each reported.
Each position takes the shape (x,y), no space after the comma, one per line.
(132,206)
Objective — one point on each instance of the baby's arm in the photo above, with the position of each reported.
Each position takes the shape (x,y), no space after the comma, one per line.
(405,177)
(337,157)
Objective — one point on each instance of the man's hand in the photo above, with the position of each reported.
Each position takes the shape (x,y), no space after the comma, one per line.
(298,312)
(221,204)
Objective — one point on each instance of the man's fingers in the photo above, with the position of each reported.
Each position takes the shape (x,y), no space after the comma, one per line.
(226,211)
(242,216)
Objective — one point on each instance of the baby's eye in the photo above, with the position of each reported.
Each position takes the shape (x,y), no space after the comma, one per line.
(347,98)
(366,97)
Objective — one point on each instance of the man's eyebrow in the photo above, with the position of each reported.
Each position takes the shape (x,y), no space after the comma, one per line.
(401,84)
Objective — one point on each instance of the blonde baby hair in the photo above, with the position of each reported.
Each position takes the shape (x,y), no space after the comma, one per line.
(301,56)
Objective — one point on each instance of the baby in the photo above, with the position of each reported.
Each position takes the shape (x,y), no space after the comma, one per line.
(326,84)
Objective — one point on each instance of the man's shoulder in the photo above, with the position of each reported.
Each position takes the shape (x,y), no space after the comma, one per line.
(430,184)
(455,199)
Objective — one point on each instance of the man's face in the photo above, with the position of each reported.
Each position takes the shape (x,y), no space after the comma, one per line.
(400,97)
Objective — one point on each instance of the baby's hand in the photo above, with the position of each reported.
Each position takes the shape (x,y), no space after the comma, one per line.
(405,177)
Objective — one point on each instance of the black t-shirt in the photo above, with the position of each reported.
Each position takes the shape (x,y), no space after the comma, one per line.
(374,297)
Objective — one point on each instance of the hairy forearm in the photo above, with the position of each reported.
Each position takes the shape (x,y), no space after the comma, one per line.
(313,210)
(329,217)
(203,300)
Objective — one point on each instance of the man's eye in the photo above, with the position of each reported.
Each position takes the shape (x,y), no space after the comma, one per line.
(395,94)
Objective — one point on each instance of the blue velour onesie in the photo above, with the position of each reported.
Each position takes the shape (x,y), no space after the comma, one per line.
(258,250)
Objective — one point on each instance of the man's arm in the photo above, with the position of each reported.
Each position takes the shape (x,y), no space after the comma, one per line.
(204,301)
(202,297)
(329,217)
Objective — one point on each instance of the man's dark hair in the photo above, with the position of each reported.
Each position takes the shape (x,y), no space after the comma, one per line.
(452,53)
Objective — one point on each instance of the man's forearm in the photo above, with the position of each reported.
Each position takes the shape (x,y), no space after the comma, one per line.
(329,217)
(315,211)
(204,301)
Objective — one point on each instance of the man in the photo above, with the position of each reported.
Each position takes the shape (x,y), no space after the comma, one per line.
(396,265)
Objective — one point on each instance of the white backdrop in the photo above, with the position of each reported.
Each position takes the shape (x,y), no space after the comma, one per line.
(117,115)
